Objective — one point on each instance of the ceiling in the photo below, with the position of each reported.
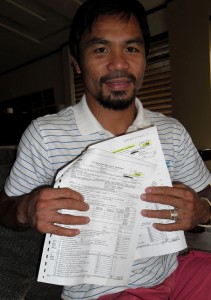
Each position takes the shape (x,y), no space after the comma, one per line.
(30,29)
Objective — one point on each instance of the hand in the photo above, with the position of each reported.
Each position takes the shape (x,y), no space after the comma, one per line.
(191,209)
(40,209)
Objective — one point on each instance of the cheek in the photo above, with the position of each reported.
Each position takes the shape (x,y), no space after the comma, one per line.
(91,72)
(140,71)
(90,78)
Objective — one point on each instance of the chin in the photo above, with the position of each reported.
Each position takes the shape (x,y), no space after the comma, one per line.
(116,104)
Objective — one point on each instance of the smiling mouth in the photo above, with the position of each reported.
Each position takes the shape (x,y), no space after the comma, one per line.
(118,84)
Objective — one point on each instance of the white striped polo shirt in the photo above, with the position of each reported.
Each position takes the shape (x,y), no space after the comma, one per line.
(53,140)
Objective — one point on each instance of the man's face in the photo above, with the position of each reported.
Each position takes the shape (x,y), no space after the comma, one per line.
(112,61)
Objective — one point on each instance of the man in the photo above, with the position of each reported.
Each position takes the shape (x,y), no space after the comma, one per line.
(109,43)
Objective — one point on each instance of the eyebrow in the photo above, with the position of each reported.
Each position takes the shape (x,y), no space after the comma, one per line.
(96,41)
(136,41)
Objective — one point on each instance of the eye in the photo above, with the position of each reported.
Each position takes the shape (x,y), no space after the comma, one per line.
(131,49)
(101,50)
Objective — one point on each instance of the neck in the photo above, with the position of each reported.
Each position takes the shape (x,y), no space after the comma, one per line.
(116,122)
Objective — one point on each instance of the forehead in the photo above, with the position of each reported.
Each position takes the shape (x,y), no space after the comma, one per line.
(114,26)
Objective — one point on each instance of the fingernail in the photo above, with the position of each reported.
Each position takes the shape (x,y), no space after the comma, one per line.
(87,220)
(143,196)
(144,213)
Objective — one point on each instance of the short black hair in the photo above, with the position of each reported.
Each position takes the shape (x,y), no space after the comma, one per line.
(90,10)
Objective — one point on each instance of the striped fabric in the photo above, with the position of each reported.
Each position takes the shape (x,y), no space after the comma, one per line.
(53,140)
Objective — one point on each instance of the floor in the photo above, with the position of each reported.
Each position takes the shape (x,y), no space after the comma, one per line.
(199,241)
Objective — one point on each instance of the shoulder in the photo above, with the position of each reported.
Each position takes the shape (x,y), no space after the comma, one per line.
(173,136)
(62,117)
(159,119)
(165,124)
(49,129)
(54,124)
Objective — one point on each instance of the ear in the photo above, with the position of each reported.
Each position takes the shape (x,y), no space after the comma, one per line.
(75,65)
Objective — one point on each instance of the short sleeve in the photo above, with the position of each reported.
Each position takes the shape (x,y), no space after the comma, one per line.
(189,168)
(32,167)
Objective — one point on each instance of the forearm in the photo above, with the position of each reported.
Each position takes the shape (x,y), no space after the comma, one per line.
(206,199)
(206,192)
(13,212)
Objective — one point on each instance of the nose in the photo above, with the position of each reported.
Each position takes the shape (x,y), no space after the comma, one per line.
(117,61)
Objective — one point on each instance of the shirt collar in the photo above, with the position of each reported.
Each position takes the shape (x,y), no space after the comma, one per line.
(142,119)
(88,124)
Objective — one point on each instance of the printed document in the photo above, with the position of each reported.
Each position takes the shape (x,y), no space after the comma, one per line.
(111,175)
(145,145)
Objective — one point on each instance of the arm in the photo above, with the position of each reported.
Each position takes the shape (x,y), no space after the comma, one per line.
(185,166)
(39,209)
(8,212)
(191,207)
(206,192)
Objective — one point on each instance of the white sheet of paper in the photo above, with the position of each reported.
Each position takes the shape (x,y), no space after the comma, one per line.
(145,145)
(104,251)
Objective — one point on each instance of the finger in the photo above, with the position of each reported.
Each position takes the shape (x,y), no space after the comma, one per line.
(157,214)
(71,204)
(163,199)
(174,226)
(169,227)
(71,219)
(179,185)
(165,190)
(69,199)
(56,216)
(65,193)
(46,206)
(44,225)
(179,198)
(62,231)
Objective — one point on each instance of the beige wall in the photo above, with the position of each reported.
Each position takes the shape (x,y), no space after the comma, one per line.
(50,72)
(189,34)
(158,22)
